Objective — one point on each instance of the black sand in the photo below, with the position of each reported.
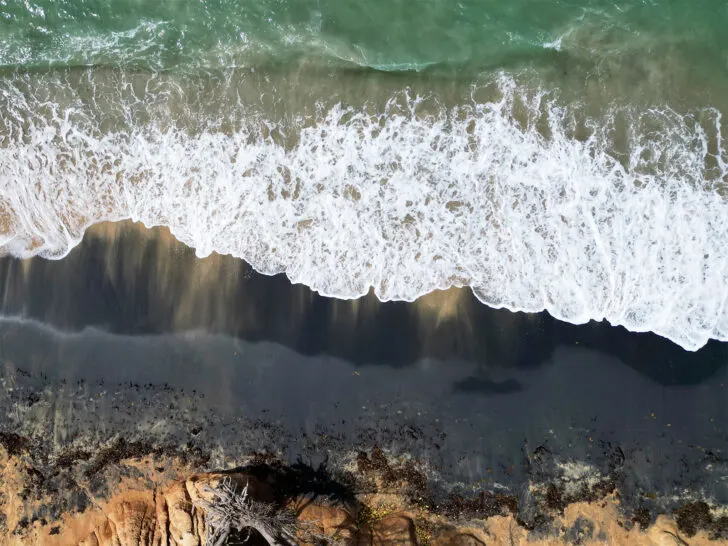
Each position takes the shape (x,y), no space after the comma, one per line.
(132,336)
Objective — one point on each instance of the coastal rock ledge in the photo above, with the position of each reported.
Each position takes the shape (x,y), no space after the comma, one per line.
(130,494)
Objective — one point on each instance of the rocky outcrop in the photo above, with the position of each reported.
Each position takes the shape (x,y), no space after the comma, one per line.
(167,516)
(333,522)
(394,530)
(122,498)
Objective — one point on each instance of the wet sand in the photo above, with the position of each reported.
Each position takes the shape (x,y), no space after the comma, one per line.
(131,335)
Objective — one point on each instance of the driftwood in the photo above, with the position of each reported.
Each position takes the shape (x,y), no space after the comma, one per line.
(229,511)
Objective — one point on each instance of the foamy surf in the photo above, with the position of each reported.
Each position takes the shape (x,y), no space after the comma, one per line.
(527,211)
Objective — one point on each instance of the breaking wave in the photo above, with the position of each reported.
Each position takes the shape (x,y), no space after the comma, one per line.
(623,218)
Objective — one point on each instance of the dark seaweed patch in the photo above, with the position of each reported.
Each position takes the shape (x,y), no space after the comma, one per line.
(13,443)
(720,528)
(693,517)
(417,486)
(120,450)
(69,458)
(486,504)
(555,499)
(642,517)
(123,449)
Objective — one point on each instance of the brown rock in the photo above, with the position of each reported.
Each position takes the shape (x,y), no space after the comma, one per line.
(330,521)
(176,511)
(394,530)
(104,535)
(161,532)
(89,541)
(453,538)
(168,516)
(162,518)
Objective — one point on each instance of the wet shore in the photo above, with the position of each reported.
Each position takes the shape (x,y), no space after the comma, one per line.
(131,336)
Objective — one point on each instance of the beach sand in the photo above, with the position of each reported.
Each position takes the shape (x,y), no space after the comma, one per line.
(132,339)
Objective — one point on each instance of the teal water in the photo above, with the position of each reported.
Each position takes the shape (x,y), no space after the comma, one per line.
(567,156)
(390,35)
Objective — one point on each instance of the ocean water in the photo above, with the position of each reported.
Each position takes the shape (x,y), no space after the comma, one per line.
(566,156)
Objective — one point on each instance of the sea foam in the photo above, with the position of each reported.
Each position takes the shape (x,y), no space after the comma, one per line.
(532,214)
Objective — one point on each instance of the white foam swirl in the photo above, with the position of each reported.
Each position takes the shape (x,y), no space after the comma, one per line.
(408,204)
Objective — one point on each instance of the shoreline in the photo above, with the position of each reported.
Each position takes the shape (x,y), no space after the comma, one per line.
(132,339)
(127,279)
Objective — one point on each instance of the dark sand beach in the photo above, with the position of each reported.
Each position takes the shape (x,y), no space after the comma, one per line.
(132,337)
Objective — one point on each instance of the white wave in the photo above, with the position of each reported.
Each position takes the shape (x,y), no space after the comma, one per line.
(407,204)
(556,44)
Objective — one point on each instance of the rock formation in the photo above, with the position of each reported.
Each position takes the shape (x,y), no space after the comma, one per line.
(158,500)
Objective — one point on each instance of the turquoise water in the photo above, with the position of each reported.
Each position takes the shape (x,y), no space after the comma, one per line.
(567,156)
(390,35)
